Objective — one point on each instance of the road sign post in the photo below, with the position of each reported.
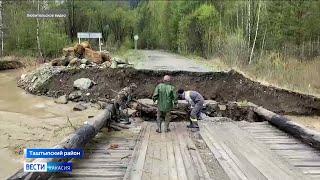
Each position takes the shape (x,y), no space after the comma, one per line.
(136,37)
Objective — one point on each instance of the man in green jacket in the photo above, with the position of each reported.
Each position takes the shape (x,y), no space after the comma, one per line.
(166,96)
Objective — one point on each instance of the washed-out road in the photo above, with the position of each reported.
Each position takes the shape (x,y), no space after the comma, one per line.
(160,60)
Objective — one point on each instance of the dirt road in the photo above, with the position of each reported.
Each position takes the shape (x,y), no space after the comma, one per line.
(160,60)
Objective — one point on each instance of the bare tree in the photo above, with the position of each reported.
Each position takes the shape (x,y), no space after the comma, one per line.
(237,16)
(220,25)
(1,26)
(38,37)
(256,33)
(263,41)
(249,22)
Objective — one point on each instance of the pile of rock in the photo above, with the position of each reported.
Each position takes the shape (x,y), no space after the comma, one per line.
(80,87)
(36,80)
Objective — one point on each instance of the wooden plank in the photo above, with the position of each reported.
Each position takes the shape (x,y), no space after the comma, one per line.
(109,151)
(190,150)
(270,137)
(301,156)
(289,146)
(147,167)
(306,163)
(226,163)
(173,174)
(289,152)
(266,131)
(268,163)
(250,171)
(280,141)
(312,171)
(102,161)
(155,172)
(68,177)
(97,173)
(163,166)
(98,166)
(181,170)
(187,161)
(314,176)
(202,169)
(136,172)
(108,156)
(257,134)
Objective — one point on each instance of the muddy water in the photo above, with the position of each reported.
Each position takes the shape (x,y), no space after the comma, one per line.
(30,121)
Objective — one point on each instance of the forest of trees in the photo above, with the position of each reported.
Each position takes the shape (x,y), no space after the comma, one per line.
(239,31)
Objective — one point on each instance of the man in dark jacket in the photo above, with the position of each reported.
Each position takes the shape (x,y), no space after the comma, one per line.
(195,100)
(167,99)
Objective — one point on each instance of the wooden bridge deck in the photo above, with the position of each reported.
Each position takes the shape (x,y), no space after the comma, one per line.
(106,157)
(243,150)
(300,155)
(259,151)
(170,155)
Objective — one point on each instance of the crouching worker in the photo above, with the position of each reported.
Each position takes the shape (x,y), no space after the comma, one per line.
(195,100)
(166,99)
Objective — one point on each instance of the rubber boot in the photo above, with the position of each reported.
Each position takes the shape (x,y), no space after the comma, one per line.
(159,127)
(166,127)
(193,124)
(190,125)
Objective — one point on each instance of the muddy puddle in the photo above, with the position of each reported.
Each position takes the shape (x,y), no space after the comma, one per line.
(31,121)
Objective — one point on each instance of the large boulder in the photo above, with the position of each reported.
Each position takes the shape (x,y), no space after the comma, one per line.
(82,83)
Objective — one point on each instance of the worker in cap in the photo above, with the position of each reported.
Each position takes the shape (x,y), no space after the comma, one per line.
(195,100)
(166,99)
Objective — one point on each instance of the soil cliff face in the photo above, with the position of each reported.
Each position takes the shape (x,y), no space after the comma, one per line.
(219,86)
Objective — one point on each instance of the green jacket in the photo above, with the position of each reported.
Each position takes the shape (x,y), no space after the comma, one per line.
(166,96)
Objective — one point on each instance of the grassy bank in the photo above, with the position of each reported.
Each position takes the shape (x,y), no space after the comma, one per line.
(286,73)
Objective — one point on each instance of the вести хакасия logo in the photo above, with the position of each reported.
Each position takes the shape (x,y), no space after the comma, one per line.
(38,166)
